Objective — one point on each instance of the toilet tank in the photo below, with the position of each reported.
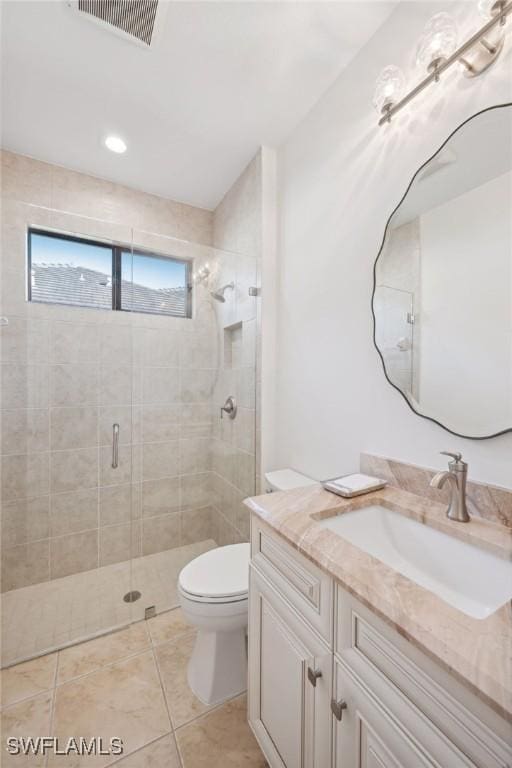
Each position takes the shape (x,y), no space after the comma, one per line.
(286,480)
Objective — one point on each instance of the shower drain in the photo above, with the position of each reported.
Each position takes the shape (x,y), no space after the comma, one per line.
(131,597)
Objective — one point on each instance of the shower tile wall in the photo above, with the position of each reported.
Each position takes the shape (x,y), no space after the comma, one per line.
(233,447)
(68,374)
(237,227)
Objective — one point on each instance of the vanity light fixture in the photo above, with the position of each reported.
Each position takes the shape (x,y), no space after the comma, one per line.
(389,88)
(437,52)
(116,144)
(489,8)
(438,42)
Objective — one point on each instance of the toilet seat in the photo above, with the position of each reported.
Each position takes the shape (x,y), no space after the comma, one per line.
(218,576)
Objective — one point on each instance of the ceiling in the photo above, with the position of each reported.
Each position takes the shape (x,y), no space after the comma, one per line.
(221,79)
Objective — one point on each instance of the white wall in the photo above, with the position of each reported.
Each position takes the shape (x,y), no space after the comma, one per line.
(466,297)
(340,177)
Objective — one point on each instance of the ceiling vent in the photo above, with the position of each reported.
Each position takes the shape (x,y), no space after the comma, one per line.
(135,20)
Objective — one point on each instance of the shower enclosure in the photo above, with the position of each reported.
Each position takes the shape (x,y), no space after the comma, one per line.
(117,468)
(396,336)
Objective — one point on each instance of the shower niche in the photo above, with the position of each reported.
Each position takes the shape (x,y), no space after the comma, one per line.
(233,345)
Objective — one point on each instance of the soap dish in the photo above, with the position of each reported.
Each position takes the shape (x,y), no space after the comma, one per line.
(349,486)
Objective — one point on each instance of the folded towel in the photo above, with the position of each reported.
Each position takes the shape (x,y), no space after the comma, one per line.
(356,482)
(353,485)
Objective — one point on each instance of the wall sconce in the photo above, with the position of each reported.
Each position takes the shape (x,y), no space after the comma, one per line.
(437,52)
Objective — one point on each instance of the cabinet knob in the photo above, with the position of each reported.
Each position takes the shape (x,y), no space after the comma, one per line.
(313,675)
(337,708)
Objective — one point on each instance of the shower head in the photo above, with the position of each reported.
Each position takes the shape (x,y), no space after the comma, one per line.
(218,295)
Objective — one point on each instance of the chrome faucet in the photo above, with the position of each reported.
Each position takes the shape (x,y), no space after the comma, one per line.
(457,476)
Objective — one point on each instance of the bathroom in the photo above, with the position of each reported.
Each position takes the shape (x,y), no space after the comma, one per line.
(224,281)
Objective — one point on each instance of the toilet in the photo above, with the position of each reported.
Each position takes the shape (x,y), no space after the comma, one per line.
(286,480)
(214,597)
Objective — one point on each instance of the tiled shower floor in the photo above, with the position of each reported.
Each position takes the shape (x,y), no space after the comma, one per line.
(53,614)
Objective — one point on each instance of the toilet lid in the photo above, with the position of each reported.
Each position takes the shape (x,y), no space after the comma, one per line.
(220,572)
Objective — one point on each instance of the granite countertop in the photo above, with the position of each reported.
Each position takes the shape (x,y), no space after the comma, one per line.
(477,651)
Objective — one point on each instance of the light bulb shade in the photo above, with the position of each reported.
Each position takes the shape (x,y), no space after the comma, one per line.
(489,8)
(389,87)
(438,42)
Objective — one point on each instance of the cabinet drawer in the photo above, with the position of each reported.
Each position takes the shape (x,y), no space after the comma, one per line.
(302,583)
(378,656)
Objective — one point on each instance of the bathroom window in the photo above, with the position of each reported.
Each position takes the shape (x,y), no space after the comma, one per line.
(63,269)
(69,270)
(154,284)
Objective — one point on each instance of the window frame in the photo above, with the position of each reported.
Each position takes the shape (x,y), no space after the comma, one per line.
(117,254)
(117,250)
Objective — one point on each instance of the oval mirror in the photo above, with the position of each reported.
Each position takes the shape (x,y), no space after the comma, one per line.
(442,297)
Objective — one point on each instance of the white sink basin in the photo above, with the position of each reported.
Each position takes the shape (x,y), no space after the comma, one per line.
(470,579)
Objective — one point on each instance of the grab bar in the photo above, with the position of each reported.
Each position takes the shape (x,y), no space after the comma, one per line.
(115,446)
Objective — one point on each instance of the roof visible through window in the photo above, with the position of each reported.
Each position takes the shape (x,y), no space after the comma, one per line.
(68,270)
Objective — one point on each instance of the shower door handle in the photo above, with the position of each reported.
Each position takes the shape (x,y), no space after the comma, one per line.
(115,446)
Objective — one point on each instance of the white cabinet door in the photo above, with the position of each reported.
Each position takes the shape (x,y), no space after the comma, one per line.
(370,735)
(425,698)
(289,682)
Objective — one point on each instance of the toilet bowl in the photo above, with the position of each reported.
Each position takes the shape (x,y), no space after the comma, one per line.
(214,597)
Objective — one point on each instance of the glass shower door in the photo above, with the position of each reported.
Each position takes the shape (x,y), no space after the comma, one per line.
(67,444)
(173,425)
(192,351)
(395,335)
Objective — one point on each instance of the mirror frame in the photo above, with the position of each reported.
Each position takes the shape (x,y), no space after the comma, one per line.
(395,209)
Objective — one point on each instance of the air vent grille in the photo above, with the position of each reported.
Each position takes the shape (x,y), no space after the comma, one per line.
(133,17)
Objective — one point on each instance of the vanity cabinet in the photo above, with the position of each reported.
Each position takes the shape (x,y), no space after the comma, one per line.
(331,685)
(448,725)
(380,729)
(366,736)
(290,691)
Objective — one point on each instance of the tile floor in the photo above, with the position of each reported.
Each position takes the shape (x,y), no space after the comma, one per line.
(130,684)
(47,616)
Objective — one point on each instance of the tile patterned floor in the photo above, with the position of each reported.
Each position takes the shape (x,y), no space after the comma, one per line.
(86,604)
(130,684)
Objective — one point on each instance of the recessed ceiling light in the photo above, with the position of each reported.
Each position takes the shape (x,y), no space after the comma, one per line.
(115,144)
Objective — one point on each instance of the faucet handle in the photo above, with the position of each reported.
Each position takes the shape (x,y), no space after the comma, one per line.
(456,456)
(457,462)
(229,407)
